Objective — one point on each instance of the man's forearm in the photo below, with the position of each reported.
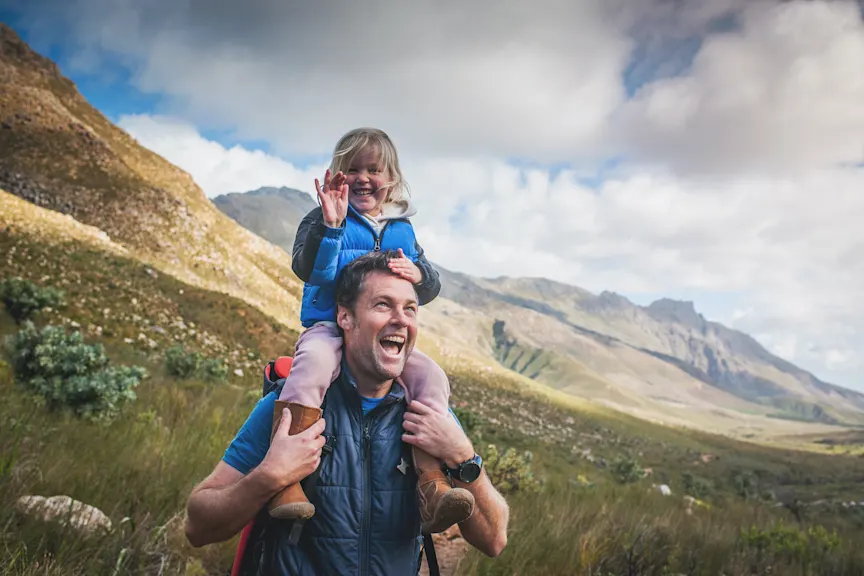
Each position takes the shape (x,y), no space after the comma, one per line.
(217,514)
(486,529)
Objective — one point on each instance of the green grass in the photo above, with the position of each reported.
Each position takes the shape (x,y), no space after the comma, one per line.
(140,468)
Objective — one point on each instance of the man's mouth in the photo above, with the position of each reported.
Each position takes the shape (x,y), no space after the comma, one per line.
(392,345)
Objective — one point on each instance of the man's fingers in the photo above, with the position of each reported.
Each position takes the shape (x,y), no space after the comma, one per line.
(314,430)
(419,407)
(412,417)
(285,424)
(409,439)
(410,426)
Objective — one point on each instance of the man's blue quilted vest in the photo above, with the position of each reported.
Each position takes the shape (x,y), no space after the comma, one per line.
(367,518)
(354,239)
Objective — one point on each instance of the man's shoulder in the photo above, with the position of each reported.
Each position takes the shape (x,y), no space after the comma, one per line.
(252,441)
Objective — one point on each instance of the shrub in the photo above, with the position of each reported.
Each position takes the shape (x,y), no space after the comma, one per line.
(511,471)
(626,470)
(23,297)
(471,423)
(807,548)
(68,373)
(697,486)
(746,485)
(185,365)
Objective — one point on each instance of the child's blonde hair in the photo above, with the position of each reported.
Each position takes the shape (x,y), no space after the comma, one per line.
(360,138)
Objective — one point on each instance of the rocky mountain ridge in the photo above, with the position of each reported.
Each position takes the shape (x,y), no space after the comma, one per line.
(59,153)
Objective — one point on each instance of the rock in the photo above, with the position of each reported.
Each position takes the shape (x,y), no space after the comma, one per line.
(128,340)
(75,324)
(238,372)
(64,510)
(158,329)
(665,490)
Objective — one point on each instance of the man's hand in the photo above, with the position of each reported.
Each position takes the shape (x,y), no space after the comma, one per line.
(404,267)
(437,434)
(334,199)
(292,458)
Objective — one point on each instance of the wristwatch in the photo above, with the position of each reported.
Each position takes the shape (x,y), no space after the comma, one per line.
(468,471)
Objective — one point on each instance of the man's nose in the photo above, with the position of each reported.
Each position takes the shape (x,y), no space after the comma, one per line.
(399,317)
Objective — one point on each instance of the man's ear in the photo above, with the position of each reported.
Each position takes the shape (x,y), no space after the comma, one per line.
(344,318)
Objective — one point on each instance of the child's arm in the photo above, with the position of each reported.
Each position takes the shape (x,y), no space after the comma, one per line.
(316,250)
(419,272)
(430,286)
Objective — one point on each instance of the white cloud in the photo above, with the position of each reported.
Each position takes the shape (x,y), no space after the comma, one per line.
(789,250)
(737,179)
(781,94)
(218,170)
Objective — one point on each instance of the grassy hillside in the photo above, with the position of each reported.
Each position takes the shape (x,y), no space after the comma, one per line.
(142,466)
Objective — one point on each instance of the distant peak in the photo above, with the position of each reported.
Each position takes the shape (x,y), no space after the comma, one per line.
(16,51)
(682,311)
(607,301)
(613,298)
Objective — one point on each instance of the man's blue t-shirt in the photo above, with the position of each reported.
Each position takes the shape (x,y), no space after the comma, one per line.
(249,447)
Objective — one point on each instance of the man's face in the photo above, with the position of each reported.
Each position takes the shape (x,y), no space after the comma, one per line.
(380,333)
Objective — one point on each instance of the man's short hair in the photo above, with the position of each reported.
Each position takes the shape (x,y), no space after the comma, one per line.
(352,278)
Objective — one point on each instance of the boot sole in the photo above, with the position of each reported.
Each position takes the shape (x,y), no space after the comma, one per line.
(456,506)
(293,511)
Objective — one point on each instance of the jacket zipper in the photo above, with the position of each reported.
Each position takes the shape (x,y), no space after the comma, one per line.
(379,236)
(367,498)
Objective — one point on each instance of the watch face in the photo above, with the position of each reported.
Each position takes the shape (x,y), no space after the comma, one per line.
(470,471)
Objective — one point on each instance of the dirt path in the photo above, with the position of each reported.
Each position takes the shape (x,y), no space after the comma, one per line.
(450,548)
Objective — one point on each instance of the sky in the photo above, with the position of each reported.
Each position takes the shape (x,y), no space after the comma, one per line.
(710,151)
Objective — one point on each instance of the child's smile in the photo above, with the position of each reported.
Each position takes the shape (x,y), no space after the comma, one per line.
(365,179)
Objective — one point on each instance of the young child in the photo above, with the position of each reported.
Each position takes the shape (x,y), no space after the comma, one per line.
(364,207)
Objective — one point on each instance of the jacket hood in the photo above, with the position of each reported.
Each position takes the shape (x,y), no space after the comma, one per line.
(393,210)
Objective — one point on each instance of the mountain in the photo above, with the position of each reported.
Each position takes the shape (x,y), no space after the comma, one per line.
(66,165)
(655,361)
(269,212)
(58,152)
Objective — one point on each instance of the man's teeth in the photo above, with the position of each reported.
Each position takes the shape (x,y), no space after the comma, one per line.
(396,341)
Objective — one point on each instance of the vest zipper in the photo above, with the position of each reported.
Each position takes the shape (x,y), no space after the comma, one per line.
(367,498)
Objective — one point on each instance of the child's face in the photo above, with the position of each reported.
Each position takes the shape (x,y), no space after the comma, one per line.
(365,176)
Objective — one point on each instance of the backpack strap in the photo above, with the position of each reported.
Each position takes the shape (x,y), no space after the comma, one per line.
(431,557)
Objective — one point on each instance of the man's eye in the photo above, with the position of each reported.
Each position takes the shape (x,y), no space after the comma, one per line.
(381,304)
(411,310)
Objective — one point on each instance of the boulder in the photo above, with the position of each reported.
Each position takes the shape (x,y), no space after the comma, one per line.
(86,519)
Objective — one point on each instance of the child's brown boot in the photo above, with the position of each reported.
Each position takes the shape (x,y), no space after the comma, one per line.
(441,505)
(291,503)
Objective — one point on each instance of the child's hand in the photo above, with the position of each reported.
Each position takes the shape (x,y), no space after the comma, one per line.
(334,199)
(404,267)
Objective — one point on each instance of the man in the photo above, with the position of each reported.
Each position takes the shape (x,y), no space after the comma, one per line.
(367,514)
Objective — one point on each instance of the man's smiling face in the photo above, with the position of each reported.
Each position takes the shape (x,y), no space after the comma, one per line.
(381,330)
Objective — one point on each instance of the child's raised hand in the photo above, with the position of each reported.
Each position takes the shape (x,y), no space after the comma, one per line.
(404,267)
(334,198)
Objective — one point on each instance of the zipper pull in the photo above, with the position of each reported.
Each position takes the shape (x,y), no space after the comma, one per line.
(377,243)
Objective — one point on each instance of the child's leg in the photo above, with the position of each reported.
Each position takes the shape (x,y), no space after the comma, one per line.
(316,364)
(425,382)
(441,506)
